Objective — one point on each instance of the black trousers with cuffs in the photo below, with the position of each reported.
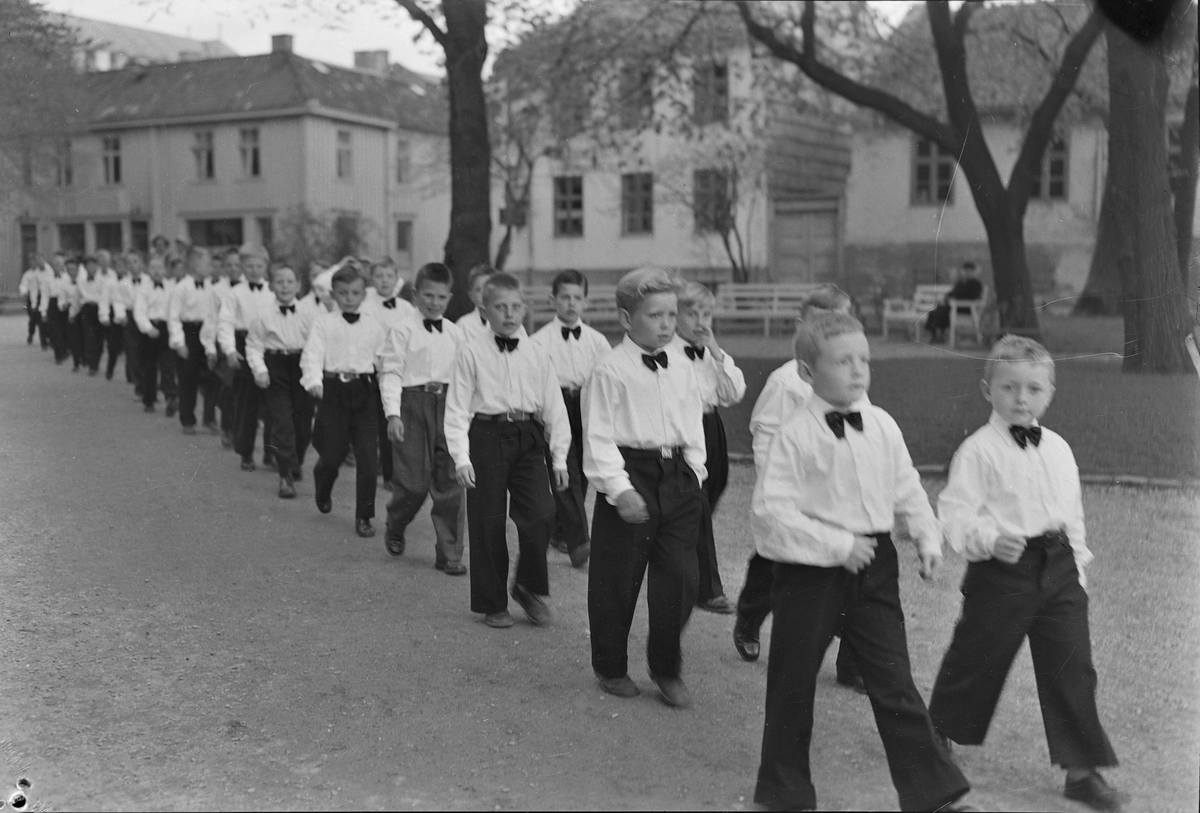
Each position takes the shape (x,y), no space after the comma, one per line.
(386,453)
(291,410)
(570,513)
(511,480)
(56,324)
(74,334)
(195,379)
(345,418)
(158,365)
(710,586)
(91,334)
(423,468)
(1039,598)
(246,401)
(114,346)
(34,316)
(664,547)
(809,604)
(131,344)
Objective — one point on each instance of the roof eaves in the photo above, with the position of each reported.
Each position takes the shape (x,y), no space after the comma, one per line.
(209,118)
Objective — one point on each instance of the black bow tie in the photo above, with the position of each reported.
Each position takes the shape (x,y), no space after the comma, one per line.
(655,360)
(568,332)
(837,422)
(158,284)
(390,304)
(284,310)
(694,352)
(430,324)
(255,286)
(351,318)
(200,283)
(1026,434)
(506,344)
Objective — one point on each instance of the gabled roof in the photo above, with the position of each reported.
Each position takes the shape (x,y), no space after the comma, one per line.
(140,43)
(268,84)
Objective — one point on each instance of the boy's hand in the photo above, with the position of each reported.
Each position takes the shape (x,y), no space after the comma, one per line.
(710,342)
(395,430)
(182,352)
(212,361)
(632,507)
(929,564)
(153,334)
(561,479)
(862,553)
(234,360)
(316,391)
(1008,549)
(465,475)
(263,380)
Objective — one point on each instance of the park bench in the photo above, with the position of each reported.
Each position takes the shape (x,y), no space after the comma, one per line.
(912,312)
(601,310)
(766,301)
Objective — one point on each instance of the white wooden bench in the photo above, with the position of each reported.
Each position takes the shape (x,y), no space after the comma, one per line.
(601,309)
(766,301)
(912,312)
(966,313)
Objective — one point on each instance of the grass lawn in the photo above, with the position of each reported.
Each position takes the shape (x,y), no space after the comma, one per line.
(1144,615)
(1145,425)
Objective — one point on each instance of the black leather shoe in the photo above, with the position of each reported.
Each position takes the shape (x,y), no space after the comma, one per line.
(324,506)
(211,427)
(148,408)
(533,605)
(674,693)
(852,680)
(558,544)
(287,491)
(580,556)
(619,687)
(1096,793)
(451,568)
(501,620)
(394,545)
(717,604)
(364,528)
(248,464)
(745,640)
(172,407)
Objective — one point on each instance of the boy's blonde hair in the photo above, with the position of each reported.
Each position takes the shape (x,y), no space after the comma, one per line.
(640,283)
(499,281)
(822,326)
(252,251)
(1017,348)
(693,295)
(827,298)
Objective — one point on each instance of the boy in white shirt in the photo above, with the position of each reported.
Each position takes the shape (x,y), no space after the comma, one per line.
(474,322)
(835,478)
(1013,508)
(239,307)
(30,288)
(418,363)
(150,307)
(112,312)
(192,334)
(124,299)
(503,407)
(384,303)
(90,286)
(574,348)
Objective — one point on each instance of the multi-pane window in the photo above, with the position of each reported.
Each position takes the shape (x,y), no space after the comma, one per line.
(710,92)
(71,238)
(404,246)
(266,232)
(1050,177)
(109,237)
(568,206)
(403,161)
(710,200)
(251,156)
(111,156)
(202,151)
(345,155)
(215,233)
(637,203)
(636,95)
(933,173)
(64,168)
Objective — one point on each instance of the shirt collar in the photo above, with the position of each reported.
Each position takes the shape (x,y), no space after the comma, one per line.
(520,334)
(819,406)
(1001,427)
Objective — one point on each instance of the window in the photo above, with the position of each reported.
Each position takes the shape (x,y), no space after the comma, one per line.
(636,99)
(404,246)
(29,244)
(710,93)
(1050,178)
(70,238)
(637,203)
(215,233)
(514,216)
(710,200)
(933,171)
(111,154)
(347,237)
(64,169)
(108,237)
(266,232)
(568,206)
(202,149)
(403,162)
(345,155)
(139,236)
(251,161)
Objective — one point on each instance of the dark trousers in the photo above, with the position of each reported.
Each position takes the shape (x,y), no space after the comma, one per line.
(710,586)
(386,457)
(158,366)
(809,603)
(57,327)
(114,345)
(291,410)
(345,417)
(35,320)
(622,554)
(93,337)
(423,467)
(570,515)
(195,379)
(510,481)
(246,403)
(130,339)
(225,375)
(74,332)
(1040,598)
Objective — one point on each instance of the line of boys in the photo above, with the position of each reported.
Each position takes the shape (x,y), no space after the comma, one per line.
(830,484)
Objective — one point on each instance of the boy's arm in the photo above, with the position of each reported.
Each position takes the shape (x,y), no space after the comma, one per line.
(208,325)
(312,360)
(765,419)
(554,414)
(912,503)
(226,313)
(105,302)
(174,322)
(602,461)
(458,408)
(695,450)
(1075,527)
(731,383)
(391,377)
(255,347)
(962,507)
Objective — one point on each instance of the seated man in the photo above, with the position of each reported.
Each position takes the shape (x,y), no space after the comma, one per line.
(966,286)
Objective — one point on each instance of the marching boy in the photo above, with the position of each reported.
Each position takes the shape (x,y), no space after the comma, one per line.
(835,478)
(1013,508)
(721,384)
(643,449)
(191,330)
(158,360)
(276,336)
(385,304)
(474,322)
(502,408)
(574,348)
(239,307)
(90,286)
(338,368)
(417,368)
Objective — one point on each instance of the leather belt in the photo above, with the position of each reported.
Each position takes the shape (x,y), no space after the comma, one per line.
(661,452)
(1048,540)
(571,392)
(435,387)
(346,378)
(505,417)
(282,352)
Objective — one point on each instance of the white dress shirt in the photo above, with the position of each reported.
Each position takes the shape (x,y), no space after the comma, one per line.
(721,384)
(31,287)
(45,282)
(488,381)
(817,491)
(573,358)
(996,489)
(783,392)
(336,346)
(110,295)
(124,294)
(625,403)
(416,356)
(473,326)
(400,312)
(193,300)
(68,295)
(270,328)
(91,289)
(150,302)
(237,308)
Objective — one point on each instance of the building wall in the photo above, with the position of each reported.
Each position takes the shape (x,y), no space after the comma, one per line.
(422,200)
(364,193)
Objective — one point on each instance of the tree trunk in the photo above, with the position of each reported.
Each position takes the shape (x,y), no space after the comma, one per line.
(1185,191)
(503,250)
(1152,287)
(470,150)
(1010,271)
(1102,293)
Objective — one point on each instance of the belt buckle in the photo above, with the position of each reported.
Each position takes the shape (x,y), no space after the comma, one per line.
(508,417)
(346,378)
(667,452)
(434,387)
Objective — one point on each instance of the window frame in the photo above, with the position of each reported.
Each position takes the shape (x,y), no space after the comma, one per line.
(64,164)
(344,157)
(204,153)
(637,204)
(710,87)
(1044,171)
(934,162)
(250,149)
(110,152)
(568,206)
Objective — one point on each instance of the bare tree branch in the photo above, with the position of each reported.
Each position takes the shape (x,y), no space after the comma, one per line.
(422,16)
